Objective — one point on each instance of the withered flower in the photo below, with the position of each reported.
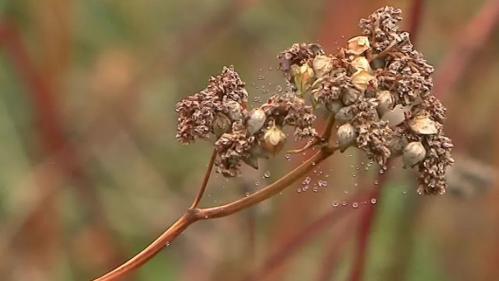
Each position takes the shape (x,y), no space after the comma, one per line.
(224,99)
(378,87)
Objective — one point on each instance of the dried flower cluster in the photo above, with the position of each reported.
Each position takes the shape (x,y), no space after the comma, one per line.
(378,88)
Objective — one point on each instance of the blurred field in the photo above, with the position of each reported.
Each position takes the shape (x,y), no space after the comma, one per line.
(91,172)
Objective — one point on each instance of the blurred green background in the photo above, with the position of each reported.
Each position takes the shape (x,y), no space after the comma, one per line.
(90,170)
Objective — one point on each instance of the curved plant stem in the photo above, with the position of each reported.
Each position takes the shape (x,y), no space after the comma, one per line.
(195,214)
(205,180)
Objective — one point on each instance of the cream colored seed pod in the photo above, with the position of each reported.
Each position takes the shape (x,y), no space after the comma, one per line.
(423,125)
(256,120)
(361,79)
(413,153)
(358,45)
(322,65)
(346,136)
(303,77)
(274,139)
(361,63)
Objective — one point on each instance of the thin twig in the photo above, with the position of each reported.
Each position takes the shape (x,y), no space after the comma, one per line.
(202,189)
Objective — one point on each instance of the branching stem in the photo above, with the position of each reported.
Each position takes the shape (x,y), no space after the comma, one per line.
(194,214)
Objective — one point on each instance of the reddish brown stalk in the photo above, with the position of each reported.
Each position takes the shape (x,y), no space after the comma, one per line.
(474,36)
(333,254)
(193,215)
(415,19)
(202,189)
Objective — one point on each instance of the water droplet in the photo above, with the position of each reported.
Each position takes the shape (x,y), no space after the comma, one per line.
(307,181)
(373,201)
(344,203)
(257,183)
(247,194)
(335,204)
(313,163)
(376,182)
(299,190)
(355,205)
(287,156)
(266,174)
(315,188)
(322,183)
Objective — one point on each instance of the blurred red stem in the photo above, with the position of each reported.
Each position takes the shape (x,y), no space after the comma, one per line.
(292,245)
(366,223)
(473,37)
(415,19)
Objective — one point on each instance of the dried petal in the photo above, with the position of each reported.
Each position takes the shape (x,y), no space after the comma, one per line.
(423,125)
(274,139)
(361,79)
(361,63)
(358,45)
(322,65)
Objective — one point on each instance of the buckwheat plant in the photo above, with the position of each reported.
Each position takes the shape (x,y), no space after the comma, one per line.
(376,90)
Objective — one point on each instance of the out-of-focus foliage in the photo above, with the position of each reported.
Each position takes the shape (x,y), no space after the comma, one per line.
(114,70)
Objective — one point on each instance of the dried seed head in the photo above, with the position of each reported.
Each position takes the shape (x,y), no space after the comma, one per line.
(256,120)
(361,79)
(302,76)
(274,139)
(423,125)
(414,153)
(361,63)
(358,45)
(346,136)
(322,65)
(386,102)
